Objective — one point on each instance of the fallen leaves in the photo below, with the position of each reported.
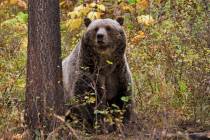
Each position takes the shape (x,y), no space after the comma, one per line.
(138,37)
(146,20)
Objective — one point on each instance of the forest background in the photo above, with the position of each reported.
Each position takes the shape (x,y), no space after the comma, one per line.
(168,52)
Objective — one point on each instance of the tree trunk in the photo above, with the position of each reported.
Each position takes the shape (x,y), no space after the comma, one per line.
(44,92)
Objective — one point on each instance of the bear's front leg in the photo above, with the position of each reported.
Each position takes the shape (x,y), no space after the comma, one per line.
(125,93)
(83,90)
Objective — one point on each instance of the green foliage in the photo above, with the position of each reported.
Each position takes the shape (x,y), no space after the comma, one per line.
(132,1)
(182,86)
(125,98)
(13,41)
(20,18)
(109,62)
(105,116)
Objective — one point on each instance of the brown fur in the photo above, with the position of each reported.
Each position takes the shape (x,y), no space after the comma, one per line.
(99,67)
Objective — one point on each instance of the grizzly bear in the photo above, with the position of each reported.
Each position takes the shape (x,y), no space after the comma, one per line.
(98,65)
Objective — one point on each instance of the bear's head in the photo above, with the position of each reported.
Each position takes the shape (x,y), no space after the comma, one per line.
(105,36)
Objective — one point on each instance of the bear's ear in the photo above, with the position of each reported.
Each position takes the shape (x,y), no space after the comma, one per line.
(87,21)
(120,20)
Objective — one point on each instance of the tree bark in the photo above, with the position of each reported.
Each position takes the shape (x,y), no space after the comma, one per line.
(44,92)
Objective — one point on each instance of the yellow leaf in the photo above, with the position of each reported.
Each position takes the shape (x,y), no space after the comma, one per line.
(79,8)
(74,14)
(94,15)
(109,119)
(141,33)
(145,19)
(73,24)
(92,100)
(127,8)
(109,62)
(79,11)
(136,39)
(92,5)
(142,4)
(13,1)
(101,7)
(85,11)
(62,3)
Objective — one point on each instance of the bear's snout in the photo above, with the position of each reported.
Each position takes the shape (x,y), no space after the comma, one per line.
(100,39)
(101,36)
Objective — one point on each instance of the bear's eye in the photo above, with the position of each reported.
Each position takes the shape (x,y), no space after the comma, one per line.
(108,28)
(96,29)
